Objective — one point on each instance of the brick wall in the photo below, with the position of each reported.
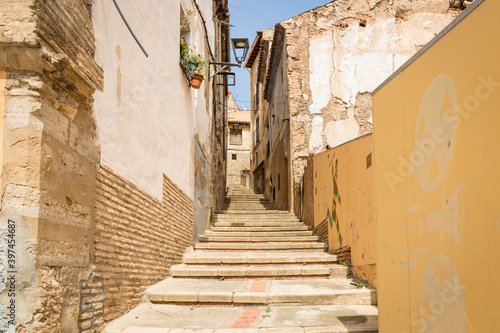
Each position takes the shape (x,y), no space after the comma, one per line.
(137,238)
(322,231)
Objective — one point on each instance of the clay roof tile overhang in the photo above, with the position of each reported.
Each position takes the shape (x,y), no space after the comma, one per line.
(278,30)
(254,50)
(234,121)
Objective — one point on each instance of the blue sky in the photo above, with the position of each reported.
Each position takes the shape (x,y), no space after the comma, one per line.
(249,16)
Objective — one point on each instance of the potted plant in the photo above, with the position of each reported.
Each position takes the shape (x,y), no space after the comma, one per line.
(194,64)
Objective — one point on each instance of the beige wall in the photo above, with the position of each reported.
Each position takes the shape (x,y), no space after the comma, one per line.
(437,184)
(344,199)
(147,114)
(242,152)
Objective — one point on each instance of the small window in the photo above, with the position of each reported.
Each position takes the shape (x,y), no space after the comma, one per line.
(236,137)
(279,183)
(256,158)
(235,157)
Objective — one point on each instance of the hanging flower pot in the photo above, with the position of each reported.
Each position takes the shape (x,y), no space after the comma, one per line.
(196,81)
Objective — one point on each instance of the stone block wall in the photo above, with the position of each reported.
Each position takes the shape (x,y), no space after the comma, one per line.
(138,238)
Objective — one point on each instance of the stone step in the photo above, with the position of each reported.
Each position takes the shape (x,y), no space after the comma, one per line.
(292,220)
(258,224)
(167,318)
(259,271)
(270,246)
(239,292)
(259,229)
(265,233)
(265,212)
(255,217)
(259,239)
(244,258)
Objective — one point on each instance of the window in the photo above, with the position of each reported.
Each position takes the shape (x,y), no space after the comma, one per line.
(184,26)
(279,183)
(268,142)
(234,157)
(256,98)
(256,138)
(236,137)
(256,158)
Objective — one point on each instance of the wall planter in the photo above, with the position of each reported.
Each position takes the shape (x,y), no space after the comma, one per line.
(196,81)
(193,64)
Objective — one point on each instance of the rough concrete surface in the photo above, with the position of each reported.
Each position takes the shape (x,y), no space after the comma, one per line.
(148,318)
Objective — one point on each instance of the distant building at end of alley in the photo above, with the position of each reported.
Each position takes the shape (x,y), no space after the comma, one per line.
(239,144)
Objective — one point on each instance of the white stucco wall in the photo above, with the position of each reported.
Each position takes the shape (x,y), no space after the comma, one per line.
(147,115)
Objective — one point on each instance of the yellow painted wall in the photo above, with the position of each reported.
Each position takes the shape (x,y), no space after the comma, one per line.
(354,204)
(437,184)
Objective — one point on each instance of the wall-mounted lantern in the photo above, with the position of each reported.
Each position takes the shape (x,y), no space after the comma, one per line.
(240,49)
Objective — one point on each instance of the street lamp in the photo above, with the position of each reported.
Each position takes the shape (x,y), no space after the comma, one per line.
(240,49)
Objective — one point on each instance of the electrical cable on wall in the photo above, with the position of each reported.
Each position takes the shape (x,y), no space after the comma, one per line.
(130,29)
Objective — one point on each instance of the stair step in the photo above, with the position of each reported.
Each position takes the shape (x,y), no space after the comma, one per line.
(259,239)
(259,229)
(151,318)
(305,292)
(198,271)
(256,217)
(266,212)
(258,224)
(243,258)
(271,246)
(265,233)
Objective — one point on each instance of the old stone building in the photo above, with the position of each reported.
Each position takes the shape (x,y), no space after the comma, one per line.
(313,81)
(257,61)
(239,144)
(111,161)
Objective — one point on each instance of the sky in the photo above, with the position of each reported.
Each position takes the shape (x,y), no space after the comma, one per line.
(250,16)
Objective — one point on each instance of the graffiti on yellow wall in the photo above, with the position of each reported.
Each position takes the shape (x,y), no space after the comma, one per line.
(333,217)
(343,203)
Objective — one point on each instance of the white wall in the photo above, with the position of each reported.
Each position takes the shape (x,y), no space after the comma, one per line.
(147,115)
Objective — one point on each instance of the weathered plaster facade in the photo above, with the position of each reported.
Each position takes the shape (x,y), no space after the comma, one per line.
(95,142)
(239,144)
(333,57)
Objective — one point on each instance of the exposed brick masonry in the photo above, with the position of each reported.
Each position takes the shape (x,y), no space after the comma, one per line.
(137,238)
(322,231)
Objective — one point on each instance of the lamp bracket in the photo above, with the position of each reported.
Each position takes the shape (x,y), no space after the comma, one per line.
(224,65)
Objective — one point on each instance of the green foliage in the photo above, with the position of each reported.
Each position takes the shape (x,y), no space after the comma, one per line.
(221,278)
(192,61)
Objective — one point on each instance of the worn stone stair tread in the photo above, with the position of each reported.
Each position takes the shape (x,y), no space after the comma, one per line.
(259,239)
(200,257)
(259,229)
(258,224)
(266,233)
(308,292)
(260,246)
(253,212)
(162,318)
(257,218)
(281,271)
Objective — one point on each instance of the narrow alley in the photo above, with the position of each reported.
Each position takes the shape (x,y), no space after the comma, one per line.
(232,166)
(257,269)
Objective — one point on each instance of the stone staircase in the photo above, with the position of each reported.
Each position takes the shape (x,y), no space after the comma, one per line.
(256,270)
